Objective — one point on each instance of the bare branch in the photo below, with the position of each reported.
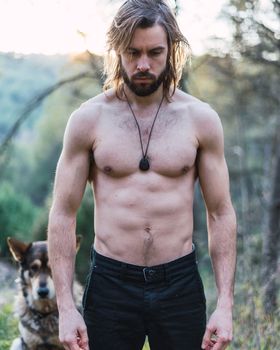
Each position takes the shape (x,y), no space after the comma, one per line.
(34,103)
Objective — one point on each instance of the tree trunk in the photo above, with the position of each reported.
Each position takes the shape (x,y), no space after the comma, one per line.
(271,241)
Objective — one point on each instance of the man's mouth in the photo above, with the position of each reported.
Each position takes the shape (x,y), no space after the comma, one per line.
(142,79)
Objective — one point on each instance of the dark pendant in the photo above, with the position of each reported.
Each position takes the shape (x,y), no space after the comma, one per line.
(144,164)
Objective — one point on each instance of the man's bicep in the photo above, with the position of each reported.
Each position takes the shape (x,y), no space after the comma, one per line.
(211,164)
(214,180)
(73,166)
(70,181)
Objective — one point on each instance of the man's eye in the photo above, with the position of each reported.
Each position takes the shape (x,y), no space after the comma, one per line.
(156,53)
(133,53)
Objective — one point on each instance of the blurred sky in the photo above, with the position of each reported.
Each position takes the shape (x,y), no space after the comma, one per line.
(51,26)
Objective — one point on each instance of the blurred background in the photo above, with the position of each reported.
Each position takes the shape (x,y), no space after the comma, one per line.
(51,61)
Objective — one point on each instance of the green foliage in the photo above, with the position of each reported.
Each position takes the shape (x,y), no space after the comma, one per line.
(17,215)
(21,78)
(8,327)
(252,328)
(146,346)
(47,146)
(85,228)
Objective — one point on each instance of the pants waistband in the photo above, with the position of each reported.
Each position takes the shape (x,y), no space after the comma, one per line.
(145,274)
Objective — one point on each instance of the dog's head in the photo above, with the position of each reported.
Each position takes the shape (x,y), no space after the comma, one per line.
(35,273)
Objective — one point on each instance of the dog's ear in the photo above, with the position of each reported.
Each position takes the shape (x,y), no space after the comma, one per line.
(18,248)
(78,242)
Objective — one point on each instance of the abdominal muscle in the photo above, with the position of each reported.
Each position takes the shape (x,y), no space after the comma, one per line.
(144,221)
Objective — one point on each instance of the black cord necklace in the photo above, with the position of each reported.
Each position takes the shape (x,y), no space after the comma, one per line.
(144,163)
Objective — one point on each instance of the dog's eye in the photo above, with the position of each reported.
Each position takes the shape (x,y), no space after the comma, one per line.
(34,268)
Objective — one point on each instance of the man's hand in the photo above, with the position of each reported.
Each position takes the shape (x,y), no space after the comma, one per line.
(219,330)
(72,330)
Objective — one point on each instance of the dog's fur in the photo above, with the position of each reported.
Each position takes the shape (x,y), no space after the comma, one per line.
(36,302)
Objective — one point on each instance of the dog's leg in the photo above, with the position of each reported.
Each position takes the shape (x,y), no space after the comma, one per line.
(17,344)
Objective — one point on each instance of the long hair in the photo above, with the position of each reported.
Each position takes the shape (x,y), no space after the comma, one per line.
(145,14)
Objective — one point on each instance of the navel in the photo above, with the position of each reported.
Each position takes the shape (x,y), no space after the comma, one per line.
(148,239)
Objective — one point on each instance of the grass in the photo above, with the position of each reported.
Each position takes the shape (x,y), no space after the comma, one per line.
(146,346)
(253,330)
(8,327)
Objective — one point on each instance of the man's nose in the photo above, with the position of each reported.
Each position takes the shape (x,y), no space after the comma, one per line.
(143,64)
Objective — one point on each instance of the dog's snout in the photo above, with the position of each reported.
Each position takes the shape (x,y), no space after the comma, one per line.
(43,292)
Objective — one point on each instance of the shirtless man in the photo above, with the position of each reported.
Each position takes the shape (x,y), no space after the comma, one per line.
(143,143)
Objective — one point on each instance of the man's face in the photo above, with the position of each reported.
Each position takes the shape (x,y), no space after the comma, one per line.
(144,62)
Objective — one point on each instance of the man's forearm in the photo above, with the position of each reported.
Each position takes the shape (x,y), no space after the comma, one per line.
(62,254)
(222,248)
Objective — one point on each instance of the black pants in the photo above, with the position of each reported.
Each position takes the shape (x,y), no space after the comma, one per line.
(124,303)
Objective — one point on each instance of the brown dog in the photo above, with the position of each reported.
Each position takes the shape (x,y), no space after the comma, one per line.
(36,302)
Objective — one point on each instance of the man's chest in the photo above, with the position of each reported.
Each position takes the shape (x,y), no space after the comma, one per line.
(171,147)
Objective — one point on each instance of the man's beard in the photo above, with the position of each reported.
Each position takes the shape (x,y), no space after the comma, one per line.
(143,89)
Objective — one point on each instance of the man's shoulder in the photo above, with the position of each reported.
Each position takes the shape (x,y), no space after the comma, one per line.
(192,102)
(90,110)
(197,110)
(205,120)
(94,104)
(104,97)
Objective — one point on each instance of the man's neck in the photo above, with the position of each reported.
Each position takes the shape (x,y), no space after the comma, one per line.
(144,101)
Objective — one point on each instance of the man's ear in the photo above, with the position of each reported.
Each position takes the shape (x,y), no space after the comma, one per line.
(78,242)
(18,248)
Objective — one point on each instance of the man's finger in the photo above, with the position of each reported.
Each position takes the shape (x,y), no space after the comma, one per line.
(207,338)
(83,339)
(221,343)
(71,345)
